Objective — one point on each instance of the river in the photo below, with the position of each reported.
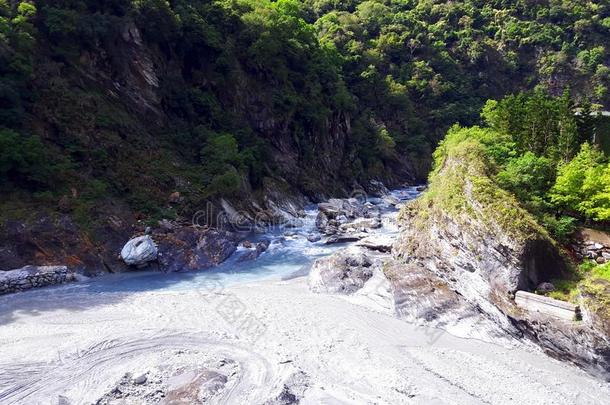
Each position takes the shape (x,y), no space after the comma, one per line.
(251,333)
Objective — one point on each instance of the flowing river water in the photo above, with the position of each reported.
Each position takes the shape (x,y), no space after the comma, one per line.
(289,254)
(250,332)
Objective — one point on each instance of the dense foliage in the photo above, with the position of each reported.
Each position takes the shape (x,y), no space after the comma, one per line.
(539,149)
(209,97)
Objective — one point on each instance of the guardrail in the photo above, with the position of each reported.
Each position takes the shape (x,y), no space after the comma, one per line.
(548,306)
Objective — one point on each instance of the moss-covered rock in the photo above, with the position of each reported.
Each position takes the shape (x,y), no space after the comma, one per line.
(467,226)
(477,238)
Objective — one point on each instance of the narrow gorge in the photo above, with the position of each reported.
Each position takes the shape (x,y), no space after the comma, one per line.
(304,201)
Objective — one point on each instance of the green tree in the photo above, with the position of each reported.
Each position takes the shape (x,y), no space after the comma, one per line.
(579,186)
(529,177)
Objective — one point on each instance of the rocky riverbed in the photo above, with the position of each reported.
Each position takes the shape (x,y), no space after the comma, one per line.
(292,316)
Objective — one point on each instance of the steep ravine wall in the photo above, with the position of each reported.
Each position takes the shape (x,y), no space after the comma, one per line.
(484,246)
(127,80)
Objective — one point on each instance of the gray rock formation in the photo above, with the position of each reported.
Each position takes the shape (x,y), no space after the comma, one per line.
(194,248)
(344,272)
(139,251)
(477,240)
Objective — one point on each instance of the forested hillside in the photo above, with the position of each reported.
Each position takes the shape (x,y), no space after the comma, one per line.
(135,99)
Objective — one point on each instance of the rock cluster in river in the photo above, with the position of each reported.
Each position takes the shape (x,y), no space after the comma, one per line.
(344,272)
(347,220)
(29,277)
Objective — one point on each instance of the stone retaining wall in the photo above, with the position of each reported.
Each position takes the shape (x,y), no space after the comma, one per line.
(29,277)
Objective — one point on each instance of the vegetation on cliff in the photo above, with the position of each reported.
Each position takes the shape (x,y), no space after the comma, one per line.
(135,99)
(531,170)
(463,186)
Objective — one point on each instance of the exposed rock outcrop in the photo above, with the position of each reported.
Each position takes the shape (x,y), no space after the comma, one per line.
(194,248)
(58,240)
(344,272)
(477,241)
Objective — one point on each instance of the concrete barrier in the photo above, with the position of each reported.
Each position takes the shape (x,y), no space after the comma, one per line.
(548,306)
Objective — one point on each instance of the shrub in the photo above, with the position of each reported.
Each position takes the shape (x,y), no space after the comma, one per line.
(560,228)
(24,160)
(583,185)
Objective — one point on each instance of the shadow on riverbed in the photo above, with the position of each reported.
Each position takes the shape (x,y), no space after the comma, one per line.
(282,263)
(289,255)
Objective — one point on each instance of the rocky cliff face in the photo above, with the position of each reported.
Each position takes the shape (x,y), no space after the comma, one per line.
(118,110)
(474,240)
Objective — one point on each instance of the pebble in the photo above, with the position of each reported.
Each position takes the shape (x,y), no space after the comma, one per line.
(141,379)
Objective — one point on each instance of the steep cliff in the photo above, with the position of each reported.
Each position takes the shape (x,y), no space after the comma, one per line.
(477,239)
(114,115)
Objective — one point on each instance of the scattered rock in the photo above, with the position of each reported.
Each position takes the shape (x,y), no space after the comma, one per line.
(255,253)
(545,288)
(141,379)
(247,244)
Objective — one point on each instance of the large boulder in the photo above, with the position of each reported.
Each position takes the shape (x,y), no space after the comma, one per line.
(139,251)
(344,272)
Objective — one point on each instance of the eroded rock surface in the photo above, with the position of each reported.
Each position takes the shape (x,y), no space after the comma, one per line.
(139,251)
(194,248)
(345,272)
(482,245)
